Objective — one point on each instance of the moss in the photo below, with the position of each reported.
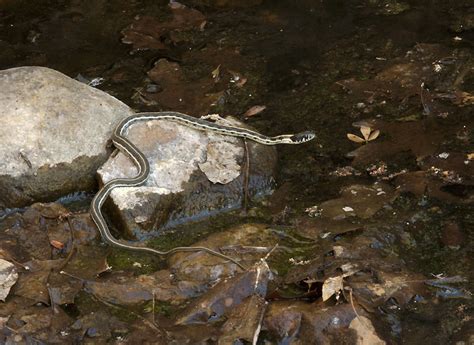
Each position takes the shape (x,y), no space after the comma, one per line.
(161,308)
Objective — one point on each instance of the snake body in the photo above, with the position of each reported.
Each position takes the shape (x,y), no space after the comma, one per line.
(128,148)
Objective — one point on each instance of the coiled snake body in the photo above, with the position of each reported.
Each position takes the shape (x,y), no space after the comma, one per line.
(129,149)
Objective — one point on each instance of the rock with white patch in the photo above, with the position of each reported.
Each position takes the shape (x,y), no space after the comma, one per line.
(53,134)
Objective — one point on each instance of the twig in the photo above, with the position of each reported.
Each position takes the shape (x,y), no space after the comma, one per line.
(362,322)
(153,307)
(72,276)
(51,300)
(259,325)
(426,99)
(246,175)
(25,159)
(73,246)
(9,258)
(270,252)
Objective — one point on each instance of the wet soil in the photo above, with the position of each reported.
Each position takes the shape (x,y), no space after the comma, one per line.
(397,207)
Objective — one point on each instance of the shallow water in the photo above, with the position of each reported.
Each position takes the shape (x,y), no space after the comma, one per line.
(313,65)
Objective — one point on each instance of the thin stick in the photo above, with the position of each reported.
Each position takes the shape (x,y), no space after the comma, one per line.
(246,175)
(153,307)
(355,311)
(259,325)
(9,258)
(73,246)
(72,276)
(270,252)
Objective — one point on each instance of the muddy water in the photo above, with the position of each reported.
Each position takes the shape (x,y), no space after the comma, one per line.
(329,66)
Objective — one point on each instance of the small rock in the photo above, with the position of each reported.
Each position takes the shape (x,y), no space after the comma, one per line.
(92,332)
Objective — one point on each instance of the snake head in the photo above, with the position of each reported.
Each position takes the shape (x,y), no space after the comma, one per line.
(303,137)
(298,138)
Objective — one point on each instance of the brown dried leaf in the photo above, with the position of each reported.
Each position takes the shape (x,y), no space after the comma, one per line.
(237,78)
(57,244)
(463,98)
(256,109)
(241,82)
(374,135)
(355,138)
(365,132)
(331,286)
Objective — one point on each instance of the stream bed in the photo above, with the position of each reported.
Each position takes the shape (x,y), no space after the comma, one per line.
(368,236)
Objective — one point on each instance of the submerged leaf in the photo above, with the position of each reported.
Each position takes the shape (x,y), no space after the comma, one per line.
(355,138)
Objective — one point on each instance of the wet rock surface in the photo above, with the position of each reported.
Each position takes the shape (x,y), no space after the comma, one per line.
(53,134)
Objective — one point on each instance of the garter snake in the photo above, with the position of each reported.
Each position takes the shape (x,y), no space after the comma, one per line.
(129,149)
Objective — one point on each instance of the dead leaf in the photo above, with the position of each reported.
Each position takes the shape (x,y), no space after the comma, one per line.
(355,138)
(332,286)
(176,5)
(237,78)
(244,321)
(227,295)
(8,277)
(256,109)
(33,284)
(216,74)
(57,244)
(365,331)
(297,322)
(373,135)
(366,132)
(463,98)
(51,210)
(135,290)
(241,82)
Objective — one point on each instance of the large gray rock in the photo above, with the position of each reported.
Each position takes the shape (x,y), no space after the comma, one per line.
(194,174)
(54,137)
(53,134)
